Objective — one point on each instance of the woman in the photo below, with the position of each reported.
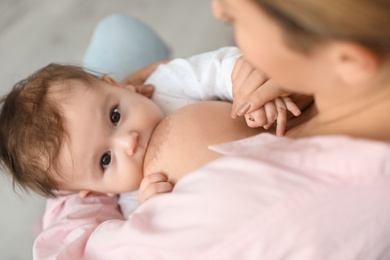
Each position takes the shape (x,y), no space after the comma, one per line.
(319,193)
(322,50)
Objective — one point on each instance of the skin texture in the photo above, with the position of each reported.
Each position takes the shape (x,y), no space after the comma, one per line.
(92,134)
(343,77)
(176,147)
(347,80)
(248,83)
(179,144)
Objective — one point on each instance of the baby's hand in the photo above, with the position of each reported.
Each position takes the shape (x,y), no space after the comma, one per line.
(273,111)
(259,99)
(139,77)
(153,184)
(136,80)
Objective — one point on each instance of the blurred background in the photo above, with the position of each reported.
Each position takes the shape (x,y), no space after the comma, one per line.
(35,33)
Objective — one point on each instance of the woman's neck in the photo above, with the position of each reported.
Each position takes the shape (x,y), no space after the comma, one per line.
(363,115)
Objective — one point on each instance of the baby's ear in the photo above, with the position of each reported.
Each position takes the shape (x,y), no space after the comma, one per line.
(110,80)
(84,193)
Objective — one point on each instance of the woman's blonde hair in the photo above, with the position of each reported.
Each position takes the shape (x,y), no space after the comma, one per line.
(309,22)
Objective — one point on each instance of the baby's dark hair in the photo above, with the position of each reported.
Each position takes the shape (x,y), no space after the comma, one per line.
(32,128)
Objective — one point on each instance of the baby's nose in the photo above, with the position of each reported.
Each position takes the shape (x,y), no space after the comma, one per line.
(129,142)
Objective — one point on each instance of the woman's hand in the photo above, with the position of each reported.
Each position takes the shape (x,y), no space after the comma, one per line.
(136,80)
(259,99)
(152,185)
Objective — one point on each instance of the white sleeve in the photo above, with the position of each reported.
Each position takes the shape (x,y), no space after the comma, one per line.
(205,76)
(128,202)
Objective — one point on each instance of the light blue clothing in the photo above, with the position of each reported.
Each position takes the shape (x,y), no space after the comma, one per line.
(121,45)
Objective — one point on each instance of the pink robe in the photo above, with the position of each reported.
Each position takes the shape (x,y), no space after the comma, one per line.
(268,198)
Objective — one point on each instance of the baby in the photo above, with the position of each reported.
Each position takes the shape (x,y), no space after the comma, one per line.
(64,129)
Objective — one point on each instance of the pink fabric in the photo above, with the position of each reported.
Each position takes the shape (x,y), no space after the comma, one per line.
(268,198)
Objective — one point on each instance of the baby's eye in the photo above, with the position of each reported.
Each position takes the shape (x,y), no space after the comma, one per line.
(105,160)
(115,116)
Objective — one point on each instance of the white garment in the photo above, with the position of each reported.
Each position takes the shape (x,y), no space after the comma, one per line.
(181,82)
(205,76)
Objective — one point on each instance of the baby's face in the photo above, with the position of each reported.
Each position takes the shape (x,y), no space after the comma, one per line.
(109,130)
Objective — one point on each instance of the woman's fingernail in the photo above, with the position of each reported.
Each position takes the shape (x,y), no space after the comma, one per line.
(234,111)
(243,109)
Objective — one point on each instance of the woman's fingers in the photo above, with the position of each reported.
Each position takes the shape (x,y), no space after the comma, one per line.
(249,87)
(268,91)
(237,67)
(245,80)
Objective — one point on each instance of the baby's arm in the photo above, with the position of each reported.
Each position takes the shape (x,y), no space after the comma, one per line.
(223,74)
(139,77)
(201,77)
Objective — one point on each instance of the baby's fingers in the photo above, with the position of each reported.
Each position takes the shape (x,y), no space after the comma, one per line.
(153,190)
(145,90)
(282,116)
(152,185)
(291,106)
(152,178)
(257,118)
(263,117)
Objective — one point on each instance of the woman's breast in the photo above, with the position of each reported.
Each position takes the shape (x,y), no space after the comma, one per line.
(179,144)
